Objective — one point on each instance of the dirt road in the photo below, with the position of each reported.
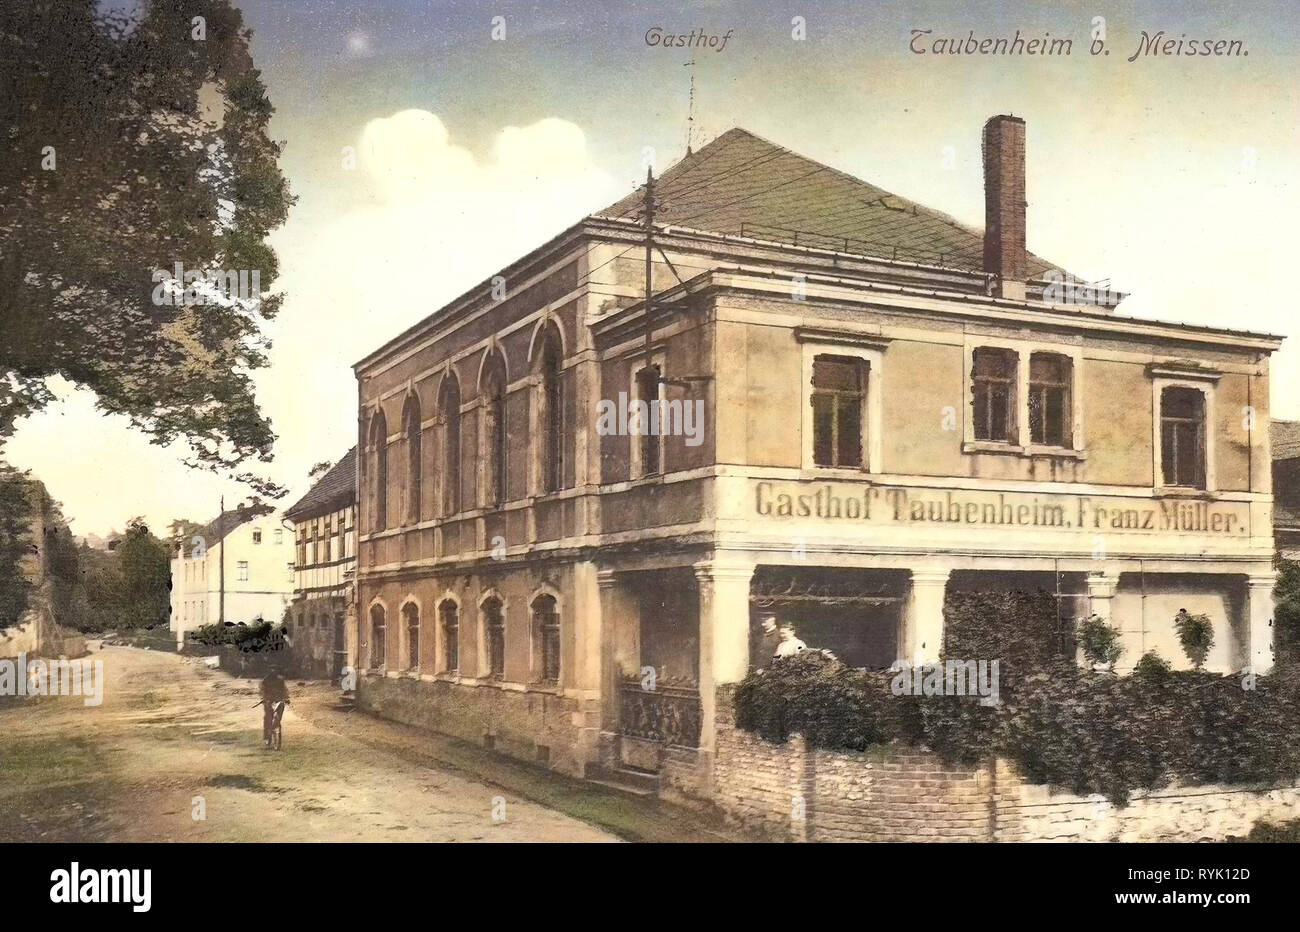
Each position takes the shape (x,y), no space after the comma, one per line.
(173,754)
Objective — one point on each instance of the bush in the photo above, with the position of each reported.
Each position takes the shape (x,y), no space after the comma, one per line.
(1286,616)
(1100,641)
(1153,667)
(254,638)
(1089,732)
(1196,634)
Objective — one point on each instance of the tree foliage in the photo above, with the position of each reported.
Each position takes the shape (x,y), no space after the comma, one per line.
(131,145)
(146,577)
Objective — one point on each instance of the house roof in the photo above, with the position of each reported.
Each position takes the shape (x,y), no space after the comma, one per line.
(336,489)
(742,185)
(232,518)
(1285,439)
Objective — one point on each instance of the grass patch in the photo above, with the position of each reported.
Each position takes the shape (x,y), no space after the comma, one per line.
(238,781)
(1287,833)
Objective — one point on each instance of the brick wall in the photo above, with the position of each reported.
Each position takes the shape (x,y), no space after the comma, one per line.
(894,793)
(539,726)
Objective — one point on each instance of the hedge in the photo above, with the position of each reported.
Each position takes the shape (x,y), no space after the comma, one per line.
(1086,731)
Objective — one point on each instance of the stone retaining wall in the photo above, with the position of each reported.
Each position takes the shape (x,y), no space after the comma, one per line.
(898,793)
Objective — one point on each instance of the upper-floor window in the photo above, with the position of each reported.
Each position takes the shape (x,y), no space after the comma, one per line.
(279,535)
(650,436)
(839,390)
(1182,436)
(243,571)
(993,379)
(412,436)
(257,535)
(494,432)
(449,412)
(550,419)
(378,463)
(1050,419)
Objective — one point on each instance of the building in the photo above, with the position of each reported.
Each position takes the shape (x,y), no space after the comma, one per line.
(1285,438)
(259,572)
(862,406)
(325,548)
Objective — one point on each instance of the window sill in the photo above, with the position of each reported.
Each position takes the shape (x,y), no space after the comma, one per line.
(1015,449)
(1183,491)
(812,471)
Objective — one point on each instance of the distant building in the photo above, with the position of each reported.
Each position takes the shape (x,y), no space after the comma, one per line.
(325,521)
(258,571)
(1285,438)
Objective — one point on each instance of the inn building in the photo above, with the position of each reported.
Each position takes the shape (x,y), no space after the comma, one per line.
(894,407)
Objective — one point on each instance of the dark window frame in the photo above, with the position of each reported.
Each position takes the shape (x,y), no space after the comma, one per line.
(411,621)
(651,445)
(1183,469)
(984,389)
(449,619)
(551,422)
(378,632)
(494,630)
(414,452)
(547,632)
(1051,402)
(842,401)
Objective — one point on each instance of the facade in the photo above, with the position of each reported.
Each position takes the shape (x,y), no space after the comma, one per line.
(1286,488)
(862,405)
(258,571)
(325,559)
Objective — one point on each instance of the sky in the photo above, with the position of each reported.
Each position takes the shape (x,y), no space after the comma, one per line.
(1176,178)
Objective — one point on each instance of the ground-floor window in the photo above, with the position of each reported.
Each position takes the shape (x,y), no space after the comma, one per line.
(411,613)
(494,626)
(855,614)
(546,633)
(377,636)
(450,616)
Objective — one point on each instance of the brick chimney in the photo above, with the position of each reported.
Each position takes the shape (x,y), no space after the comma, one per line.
(1004,205)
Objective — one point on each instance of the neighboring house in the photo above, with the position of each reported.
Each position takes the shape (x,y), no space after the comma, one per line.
(325,570)
(1286,488)
(257,549)
(862,405)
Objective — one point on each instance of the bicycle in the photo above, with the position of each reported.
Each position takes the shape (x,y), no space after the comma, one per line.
(272,735)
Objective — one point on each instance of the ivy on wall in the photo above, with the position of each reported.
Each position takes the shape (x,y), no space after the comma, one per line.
(1090,732)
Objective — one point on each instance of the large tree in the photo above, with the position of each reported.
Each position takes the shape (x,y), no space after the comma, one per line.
(128,145)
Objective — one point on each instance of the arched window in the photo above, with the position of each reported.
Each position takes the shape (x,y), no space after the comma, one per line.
(550,405)
(411,615)
(450,617)
(494,632)
(493,455)
(377,627)
(378,485)
(449,411)
(411,433)
(546,638)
